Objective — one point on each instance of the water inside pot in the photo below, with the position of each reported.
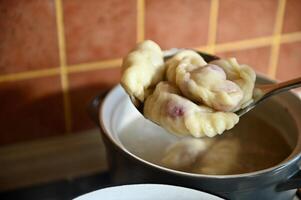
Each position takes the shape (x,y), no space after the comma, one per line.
(257,142)
(252,145)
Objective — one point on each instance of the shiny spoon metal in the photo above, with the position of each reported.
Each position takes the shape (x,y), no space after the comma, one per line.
(264,91)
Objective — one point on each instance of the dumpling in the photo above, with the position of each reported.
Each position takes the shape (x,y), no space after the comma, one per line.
(220,159)
(185,95)
(183,154)
(202,82)
(142,69)
(203,156)
(192,60)
(183,117)
(242,75)
(209,85)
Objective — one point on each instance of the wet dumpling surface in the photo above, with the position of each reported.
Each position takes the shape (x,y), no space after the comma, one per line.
(188,58)
(208,85)
(186,95)
(220,84)
(203,156)
(177,114)
(142,69)
(243,75)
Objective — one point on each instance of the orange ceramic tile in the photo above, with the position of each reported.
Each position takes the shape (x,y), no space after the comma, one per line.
(177,23)
(257,58)
(239,20)
(289,65)
(97,30)
(83,87)
(31,109)
(28,37)
(292,16)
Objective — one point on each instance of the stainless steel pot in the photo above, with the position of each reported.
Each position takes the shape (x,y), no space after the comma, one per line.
(278,182)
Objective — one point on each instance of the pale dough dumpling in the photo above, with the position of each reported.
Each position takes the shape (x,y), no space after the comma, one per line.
(203,156)
(186,95)
(209,85)
(192,60)
(142,69)
(183,154)
(183,117)
(202,82)
(242,75)
(220,159)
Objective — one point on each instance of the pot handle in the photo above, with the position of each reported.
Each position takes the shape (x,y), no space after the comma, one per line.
(93,107)
(293,182)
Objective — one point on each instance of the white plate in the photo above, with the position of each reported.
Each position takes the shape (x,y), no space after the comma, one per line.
(147,192)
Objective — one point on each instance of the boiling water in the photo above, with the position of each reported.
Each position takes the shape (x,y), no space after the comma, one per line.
(252,145)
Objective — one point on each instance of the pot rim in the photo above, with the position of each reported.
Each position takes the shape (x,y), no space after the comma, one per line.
(275,169)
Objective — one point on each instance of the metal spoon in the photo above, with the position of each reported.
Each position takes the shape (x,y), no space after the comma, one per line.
(260,93)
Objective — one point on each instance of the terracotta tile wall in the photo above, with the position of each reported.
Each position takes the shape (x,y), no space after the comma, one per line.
(55,55)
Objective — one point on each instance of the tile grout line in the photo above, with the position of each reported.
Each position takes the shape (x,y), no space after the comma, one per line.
(244,44)
(290,37)
(94,65)
(29,74)
(273,62)
(112,63)
(140,20)
(63,64)
(212,30)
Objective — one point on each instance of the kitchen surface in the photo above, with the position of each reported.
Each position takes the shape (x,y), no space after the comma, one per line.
(56,56)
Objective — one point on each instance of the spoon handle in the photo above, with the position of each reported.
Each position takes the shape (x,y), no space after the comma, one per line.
(262,92)
(272,89)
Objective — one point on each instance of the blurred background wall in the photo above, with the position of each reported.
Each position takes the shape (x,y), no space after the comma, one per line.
(55,55)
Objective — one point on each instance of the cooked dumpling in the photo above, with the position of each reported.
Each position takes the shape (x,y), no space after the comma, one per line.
(202,82)
(183,117)
(243,75)
(186,95)
(203,156)
(142,69)
(209,85)
(220,159)
(192,60)
(183,154)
